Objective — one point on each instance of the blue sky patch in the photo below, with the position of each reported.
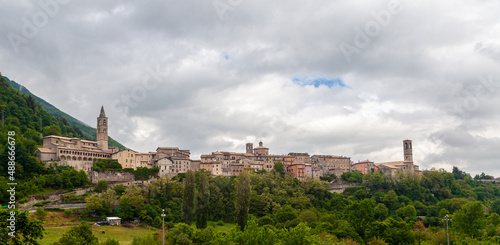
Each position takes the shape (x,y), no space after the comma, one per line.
(318,81)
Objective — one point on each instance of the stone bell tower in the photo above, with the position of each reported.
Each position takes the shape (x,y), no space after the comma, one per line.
(408,151)
(250,148)
(102,131)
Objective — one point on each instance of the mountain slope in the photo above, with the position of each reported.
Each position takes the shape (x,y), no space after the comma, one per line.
(88,132)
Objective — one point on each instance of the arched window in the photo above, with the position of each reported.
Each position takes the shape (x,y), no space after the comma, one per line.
(104,122)
(406,145)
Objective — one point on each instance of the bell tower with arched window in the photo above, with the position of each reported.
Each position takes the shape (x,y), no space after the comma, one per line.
(102,131)
(408,151)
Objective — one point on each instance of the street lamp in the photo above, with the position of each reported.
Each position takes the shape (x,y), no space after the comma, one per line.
(163,225)
(446,218)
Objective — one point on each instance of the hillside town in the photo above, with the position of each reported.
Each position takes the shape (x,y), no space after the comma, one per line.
(81,154)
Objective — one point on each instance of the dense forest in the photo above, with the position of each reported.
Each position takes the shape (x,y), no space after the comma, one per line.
(275,208)
(29,121)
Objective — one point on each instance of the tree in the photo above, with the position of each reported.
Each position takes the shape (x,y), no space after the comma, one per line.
(381,212)
(495,207)
(351,177)
(132,202)
(360,215)
(494,219)
(391,200)
(202,201)
(188,197)
(242,199)
(78,235)
(470,219)
(27,232)
(420,231)
(279,168)
(407,212)
(41,213)
(285,214)
(101,186)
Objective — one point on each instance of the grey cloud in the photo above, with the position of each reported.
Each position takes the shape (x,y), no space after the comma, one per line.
(416,79)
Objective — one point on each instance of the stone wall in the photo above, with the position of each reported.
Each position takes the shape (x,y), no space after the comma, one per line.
(111,176)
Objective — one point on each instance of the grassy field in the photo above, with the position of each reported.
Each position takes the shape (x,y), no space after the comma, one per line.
(56,224)
(121,234)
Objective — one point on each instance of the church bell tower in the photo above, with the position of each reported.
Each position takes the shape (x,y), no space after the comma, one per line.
(408,151)
(102,131)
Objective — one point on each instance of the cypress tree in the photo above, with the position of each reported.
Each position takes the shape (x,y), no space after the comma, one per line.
(202,201)
(188,197)
(242,199)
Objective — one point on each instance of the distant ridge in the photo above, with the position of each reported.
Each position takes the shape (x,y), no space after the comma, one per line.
(88,131)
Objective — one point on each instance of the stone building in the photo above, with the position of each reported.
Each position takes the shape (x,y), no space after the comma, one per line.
(77,153)
(165,167)
(405,165)
(126,158)
(330,164)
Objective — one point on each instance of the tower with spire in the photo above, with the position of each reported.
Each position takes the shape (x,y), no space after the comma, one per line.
(102,131)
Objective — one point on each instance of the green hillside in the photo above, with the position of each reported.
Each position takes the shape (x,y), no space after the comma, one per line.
(85,131)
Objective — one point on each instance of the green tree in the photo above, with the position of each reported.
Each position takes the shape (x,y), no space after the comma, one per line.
(41,214)
(360,215)
(202,201)
(285,214)
(279,168)
(181,234)
(242,203)
(470,219)
(495,207)
(420,231)
(188,199)
(27,231)
(101,186)
(351,177)
(392,231)
(51,130)
(407,212)
(78,235)
(132,202)
(381,212)
(494,219)
(391,200)
(308,216)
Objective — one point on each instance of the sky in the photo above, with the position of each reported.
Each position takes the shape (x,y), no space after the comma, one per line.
(349,78)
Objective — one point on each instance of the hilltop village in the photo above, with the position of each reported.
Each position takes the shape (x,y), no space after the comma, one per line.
(81,154)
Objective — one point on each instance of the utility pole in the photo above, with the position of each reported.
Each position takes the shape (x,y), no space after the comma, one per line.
(3,112)
(163,225)
(446,218)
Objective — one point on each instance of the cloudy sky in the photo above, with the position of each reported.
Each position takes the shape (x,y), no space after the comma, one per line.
(350,78)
